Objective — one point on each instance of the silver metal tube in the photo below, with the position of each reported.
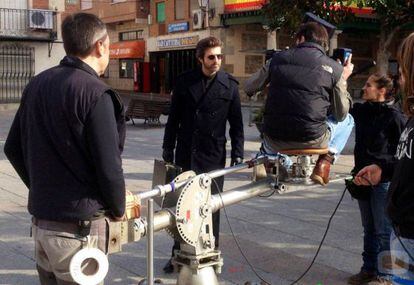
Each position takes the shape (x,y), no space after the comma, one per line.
(235,168)
(148,194)
(239,194)
(158,191)
(150,243)
(228,170)
(162,220)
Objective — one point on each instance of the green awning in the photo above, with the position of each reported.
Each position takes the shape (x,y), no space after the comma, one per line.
(362,26)
(239,18)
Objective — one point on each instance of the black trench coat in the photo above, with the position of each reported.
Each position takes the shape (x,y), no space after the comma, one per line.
(196,127)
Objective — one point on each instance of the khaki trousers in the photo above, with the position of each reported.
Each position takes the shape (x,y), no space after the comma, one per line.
(57,242)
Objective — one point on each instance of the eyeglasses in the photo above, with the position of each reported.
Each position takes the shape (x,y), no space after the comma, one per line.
(213,56)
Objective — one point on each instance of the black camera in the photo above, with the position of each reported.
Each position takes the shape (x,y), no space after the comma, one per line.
(358,192)
(270,52)
(342,54)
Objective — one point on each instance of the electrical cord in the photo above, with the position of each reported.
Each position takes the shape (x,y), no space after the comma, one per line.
(402,244)
(268,195)
(314,258)
(323,239)
(236,240)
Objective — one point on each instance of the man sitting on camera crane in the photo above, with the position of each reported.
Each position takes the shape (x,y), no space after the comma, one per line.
(307,105)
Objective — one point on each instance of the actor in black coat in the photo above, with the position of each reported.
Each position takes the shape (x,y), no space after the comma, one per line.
(196,124)
(203,101)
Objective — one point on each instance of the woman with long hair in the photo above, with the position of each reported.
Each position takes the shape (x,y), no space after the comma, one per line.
(401,193)
(378,126)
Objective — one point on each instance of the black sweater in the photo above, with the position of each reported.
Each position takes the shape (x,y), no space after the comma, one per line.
(378,127)
(65,143)
(401,195)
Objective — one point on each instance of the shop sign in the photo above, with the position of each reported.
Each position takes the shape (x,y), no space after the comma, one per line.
(178,27)
(178,42)
(361,11)
(127,49)
(243,5)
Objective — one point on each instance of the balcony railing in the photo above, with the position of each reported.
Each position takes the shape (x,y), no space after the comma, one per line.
(22,24)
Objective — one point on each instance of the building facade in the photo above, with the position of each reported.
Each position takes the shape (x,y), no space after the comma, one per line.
(29,42)
(152,42)
(175,28)
(246,39)
(127,25)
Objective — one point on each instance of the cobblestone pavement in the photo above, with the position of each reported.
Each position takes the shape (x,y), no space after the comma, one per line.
(279,234)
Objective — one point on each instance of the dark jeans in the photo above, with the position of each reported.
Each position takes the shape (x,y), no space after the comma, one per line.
(377,227)
(216,216)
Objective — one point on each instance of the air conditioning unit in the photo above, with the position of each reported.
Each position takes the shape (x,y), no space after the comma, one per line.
(197,19)
(41,19)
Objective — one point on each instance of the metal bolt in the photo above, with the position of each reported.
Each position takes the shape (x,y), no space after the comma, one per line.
(181,220)
(205,181)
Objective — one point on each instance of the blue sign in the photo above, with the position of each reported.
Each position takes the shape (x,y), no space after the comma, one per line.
(178,27)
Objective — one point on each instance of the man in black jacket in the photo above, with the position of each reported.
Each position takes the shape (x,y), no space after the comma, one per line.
(65,143)
(203,101)
(307,105)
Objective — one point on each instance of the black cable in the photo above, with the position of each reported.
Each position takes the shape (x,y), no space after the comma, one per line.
(314,258)
(405,249)
(236,241)
(268,195)
(323,239)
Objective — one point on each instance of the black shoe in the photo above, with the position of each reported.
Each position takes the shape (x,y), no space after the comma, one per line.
(168,267)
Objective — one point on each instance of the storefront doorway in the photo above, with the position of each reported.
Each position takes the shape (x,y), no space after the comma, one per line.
(167,65)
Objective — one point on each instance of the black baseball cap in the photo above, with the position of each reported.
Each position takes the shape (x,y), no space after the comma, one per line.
(310,17)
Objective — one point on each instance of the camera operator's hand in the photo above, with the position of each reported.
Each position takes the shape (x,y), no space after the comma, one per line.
(348,68)
(236,160)
(168,155)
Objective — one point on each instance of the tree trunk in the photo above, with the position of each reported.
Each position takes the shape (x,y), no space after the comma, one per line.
(383,53)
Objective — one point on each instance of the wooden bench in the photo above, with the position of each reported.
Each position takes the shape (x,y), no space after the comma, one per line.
(148,110)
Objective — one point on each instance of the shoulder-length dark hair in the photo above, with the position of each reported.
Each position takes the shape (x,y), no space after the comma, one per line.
(406,61)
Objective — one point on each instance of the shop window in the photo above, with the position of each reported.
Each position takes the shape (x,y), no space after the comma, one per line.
(194,5)
(126,68)
(179,9)
(254,41)
(161,12)
(253,63)
(131,35)
(86,4)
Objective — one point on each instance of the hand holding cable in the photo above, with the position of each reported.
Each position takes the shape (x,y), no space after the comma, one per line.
(369,175)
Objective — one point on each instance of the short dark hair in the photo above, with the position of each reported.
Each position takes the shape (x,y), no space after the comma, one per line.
(315,33)
(205,44)
(80,31)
